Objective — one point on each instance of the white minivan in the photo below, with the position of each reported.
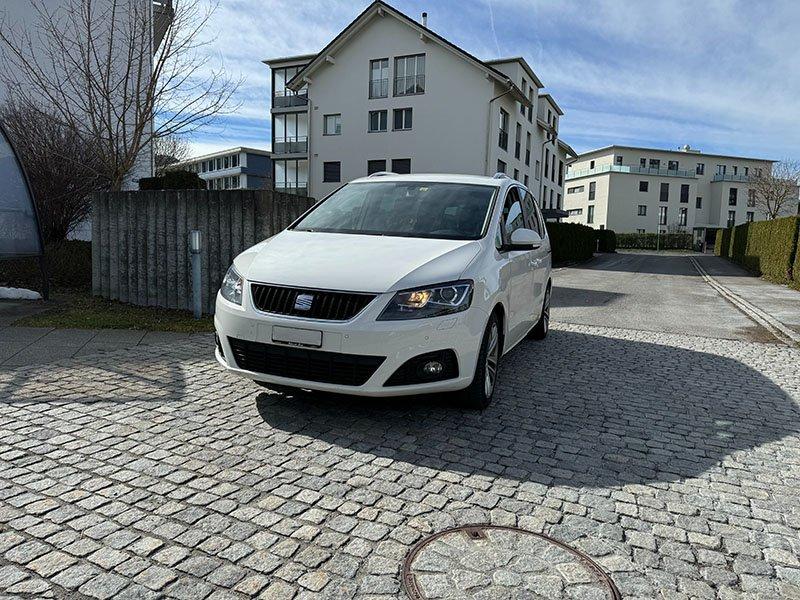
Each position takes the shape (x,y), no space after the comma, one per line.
(392,285)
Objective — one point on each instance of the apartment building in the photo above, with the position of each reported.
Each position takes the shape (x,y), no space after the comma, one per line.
(389,94)
(630,189)
(233,169)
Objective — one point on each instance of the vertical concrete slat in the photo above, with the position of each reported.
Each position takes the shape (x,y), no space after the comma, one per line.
(181,250)
(96,242)
(236,216)
(202,225)
(161,243)
(248,219)
(141,251)
(133,293)
(171,247)
(113,247)
(212,276)
(122,245)
(152,267)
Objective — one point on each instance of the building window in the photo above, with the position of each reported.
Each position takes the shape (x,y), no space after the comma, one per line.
(379,78)
(672,165)
(331,172)
(642,210)
(219,164)
(402,119)
(516,174)
(538,170)
(290,132)
(683,214)
(333,125)
(664,194)
(575,190)
(561,172)
(409,75)
(746,171)
(523,87)
(750,216)
(698,202)
(378,120)
(518,141)
(235,160)
(546,161)
(617,160)
(591,165)
(644,186)
(655,163)
(700,169)
(721,169)
(642,163)
(662,215)
(291,175)
(733,196)
(590,214)
(375,166)
(592,190)
(751,198)
(502,139)
(528,150)
(501,166)
(530,108)
(735,170)
(640,231)
(575,211)
(731,218)
(401,166)
(558,201)
(526,180)
(685,193)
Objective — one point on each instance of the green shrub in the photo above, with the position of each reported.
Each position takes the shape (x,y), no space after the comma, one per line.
(737,246)
(69,265)
(173,180)
(571,242)
(722,242)
(650,241)
(607,240)
(796,267)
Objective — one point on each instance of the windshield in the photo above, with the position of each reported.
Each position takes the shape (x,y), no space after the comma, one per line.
(454,211)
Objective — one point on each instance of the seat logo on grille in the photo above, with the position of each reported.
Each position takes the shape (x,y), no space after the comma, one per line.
(303,302)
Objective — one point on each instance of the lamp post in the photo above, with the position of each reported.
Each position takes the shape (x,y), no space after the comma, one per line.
(195,248)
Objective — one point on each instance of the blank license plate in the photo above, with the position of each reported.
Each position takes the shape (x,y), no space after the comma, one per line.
(297,337)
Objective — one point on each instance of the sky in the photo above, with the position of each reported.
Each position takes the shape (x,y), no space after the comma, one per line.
(720,75)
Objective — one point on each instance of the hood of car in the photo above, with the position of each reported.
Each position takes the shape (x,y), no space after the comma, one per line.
(358,263)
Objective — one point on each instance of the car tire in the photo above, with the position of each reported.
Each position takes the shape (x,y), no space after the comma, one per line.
(480,392)
(542,327)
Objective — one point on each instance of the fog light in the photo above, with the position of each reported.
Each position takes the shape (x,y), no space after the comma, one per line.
(432,368)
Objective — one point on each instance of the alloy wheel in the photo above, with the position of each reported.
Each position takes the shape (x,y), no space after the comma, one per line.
(492,357)
(546,311)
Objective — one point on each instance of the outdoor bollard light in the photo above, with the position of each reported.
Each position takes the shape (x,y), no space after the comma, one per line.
(195,247)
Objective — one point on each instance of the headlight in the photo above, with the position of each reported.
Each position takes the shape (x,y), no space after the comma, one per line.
(433,301)
(231,288)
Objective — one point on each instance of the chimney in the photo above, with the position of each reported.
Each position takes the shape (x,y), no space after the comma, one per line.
(424,19)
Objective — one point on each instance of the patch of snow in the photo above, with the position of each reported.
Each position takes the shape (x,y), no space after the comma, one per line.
(9,293)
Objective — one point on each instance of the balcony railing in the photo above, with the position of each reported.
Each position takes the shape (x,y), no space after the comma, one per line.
(287,99)
(409,85)
(631,169)
(736,178)
(290,145)
(379,88)
(289,187)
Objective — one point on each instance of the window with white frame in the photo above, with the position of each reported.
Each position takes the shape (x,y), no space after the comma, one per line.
(379,78)
(333,125)
(402,119)
(378,120)
(409,75)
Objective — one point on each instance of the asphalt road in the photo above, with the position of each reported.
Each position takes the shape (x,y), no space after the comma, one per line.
(650,292)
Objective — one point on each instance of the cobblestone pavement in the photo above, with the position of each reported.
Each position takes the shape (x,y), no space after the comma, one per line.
(673,461)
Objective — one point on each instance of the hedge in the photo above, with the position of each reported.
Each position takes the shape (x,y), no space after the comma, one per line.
(69,265)
(173,180)
(796,267)
(607,240)
(768,248)
(648,241)
(571,242)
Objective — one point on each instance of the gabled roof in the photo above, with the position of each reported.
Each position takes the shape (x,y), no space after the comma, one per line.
(549,98)
(378,7)
(534,78)
(285,59)
(567,148)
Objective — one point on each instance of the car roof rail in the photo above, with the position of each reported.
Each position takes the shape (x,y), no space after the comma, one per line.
(381,174)
(499,175)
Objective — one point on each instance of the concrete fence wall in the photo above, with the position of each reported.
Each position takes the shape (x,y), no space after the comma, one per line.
(140,247)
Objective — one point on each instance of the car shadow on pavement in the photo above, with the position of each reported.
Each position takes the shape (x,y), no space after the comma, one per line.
(566,297)
(578,409)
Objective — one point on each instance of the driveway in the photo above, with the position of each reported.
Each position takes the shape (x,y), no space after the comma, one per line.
(673,460)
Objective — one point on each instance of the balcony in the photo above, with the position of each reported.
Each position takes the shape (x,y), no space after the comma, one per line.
(290,145)
(298,189)
(631,170)
(734,178)
(379,88)
(288,99)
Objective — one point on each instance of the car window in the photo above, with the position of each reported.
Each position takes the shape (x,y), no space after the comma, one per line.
(531,217)
(513,218)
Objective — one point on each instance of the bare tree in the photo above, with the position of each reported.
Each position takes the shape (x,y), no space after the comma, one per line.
(168,150)
(119,73)
(775,191)
(63,168)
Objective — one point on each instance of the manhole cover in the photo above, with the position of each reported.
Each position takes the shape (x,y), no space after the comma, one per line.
(488,561)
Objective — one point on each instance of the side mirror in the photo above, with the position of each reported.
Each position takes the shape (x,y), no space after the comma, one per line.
(524,239)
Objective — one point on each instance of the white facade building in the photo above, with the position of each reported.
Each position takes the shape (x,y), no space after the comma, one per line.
(389,94)
(232,169)
(645,190)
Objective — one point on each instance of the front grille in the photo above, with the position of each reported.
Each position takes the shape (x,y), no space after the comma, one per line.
(331,306)
(305,364)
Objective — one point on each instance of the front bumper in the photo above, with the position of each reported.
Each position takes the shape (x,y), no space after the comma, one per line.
(362,335)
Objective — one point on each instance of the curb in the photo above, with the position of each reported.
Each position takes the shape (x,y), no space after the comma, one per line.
(770,323)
